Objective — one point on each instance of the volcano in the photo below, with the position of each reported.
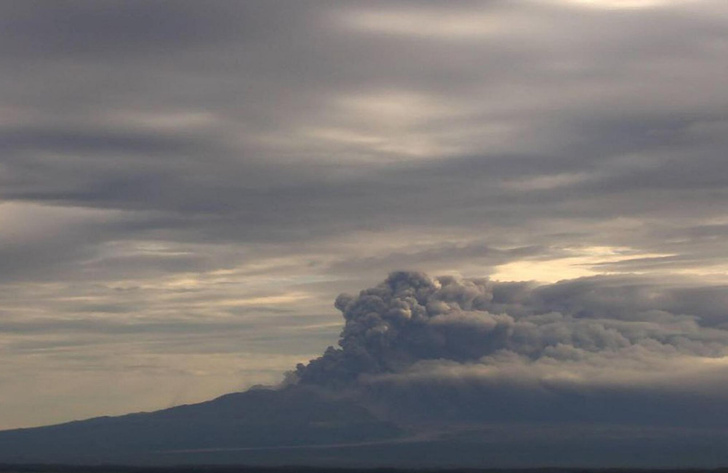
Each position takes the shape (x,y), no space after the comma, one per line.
(444,372)
(259,420)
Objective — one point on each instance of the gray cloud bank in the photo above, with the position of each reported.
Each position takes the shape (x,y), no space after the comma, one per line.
(175,112)
(608,350)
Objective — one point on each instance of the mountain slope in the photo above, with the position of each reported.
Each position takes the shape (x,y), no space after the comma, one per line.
(253,419)
(302,426)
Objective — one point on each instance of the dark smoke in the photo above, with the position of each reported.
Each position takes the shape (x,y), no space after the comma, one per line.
(409,317)
(413,325)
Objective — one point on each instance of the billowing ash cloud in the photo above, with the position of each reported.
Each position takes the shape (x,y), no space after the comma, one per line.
(410,317)
(622,347)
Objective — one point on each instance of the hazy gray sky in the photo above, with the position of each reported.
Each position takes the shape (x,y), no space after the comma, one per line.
(186,186)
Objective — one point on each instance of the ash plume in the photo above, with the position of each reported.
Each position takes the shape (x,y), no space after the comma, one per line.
(622,343)
(410,317)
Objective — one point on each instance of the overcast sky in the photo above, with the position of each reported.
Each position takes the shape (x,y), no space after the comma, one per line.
(186,186)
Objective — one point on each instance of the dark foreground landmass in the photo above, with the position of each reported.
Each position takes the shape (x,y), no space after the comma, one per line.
(308,469)
(407,389)
(265,428)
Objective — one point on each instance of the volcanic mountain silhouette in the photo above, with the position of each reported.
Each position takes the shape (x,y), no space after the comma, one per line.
(429,372)
(259,419)
(300,426)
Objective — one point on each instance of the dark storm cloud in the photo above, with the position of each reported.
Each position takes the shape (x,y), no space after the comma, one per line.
(264,45)
(108,30)
(215,117)
(99,142)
